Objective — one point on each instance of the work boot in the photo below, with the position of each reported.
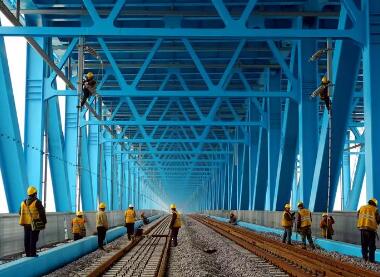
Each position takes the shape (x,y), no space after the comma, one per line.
(313,246)
(303,246)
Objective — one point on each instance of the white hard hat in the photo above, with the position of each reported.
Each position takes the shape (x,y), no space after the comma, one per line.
(130,206)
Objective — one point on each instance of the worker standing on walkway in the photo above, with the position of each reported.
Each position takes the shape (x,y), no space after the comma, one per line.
(368,219)
(33,218)
(78,227)
(287,223)
(130,218)
(88,88)
(233,219)
(304,225)
(101,224)
(175,225)
(326,224)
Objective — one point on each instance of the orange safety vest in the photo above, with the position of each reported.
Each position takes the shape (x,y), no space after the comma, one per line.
(130,216)
(77,225)
(367,218)
(177,222)
(285,222)
(305,218)
(26,214)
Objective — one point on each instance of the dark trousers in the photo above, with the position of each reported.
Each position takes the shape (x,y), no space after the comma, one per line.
(101,235)
(306,234)
(86,95)
(173,236)
(368,245)
(130,229)
(30,241)
(287,235)
(77,236)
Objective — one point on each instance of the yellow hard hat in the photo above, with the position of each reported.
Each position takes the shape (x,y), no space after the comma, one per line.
(102,205)
(90,75)
(287,206)
(300,203)
(374,200)
(324,80)
(79,213)
(31,190)
(172,206)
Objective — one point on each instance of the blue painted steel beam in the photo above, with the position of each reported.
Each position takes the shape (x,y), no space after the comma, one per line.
(346,173)
(357,184)
(142,122)
(12,162)
(86,190)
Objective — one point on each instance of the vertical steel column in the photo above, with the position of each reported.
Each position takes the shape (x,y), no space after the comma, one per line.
(346,168)
(86,190)
(254,115)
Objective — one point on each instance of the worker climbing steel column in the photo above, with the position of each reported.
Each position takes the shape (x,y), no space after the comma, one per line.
(88,88)
(368,220)
(101,224)
(130,218)
(78,226)
(175,225)
(33,218)
(304,225)
(287,224)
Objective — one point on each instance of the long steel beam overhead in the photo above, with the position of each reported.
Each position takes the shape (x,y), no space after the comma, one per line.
(174,123)
(179,140)
(174,152)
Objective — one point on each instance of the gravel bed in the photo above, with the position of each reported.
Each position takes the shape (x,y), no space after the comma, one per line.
(190,259)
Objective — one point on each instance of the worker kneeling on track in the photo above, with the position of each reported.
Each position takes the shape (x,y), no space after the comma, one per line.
(101,225)
(368,220)
(287,224)
(304,225)
(130,218)
(175,225)
(233,219)
(144,219)
(78,227)
(33,218)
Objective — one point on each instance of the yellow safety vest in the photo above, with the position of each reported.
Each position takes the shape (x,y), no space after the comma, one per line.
(367,218)
(130,216)
(177,222)
(305,218)
(27,215)
(285,222)
(78,225)
(101,219)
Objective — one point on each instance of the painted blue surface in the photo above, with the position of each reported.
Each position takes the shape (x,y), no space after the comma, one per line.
(54,258)
(328,245)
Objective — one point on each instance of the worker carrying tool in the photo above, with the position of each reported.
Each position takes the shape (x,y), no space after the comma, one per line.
(78,227)
(368,219)
(326,225)
(175,225)
(323,92)
(287,223)
(144,219)
(304,225)
(130,218)
(33,218)
(233,219)
(101,224)
(88,88)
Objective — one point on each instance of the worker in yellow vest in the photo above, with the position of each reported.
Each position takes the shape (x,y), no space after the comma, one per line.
(304,225)
(130,218)
(101,224)
(368,219)
(175,225)
(78,227)
(287,224)
(33,218)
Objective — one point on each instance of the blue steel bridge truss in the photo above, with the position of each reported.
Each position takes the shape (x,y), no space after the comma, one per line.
(202,103)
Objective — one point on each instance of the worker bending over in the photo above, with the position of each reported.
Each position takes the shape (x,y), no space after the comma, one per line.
(130,218)
(88,88)
(33,218)
(368,219)
(175,225)
(233,219)
(78,227)
(144,219)
(326,225)
(101,224)
(287,224)
(304,225)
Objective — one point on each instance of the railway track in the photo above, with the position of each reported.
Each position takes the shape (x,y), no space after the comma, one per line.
(291,259)
(146,255)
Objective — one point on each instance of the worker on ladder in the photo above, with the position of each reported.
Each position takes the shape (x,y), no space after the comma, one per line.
(175,225)
(304,225)
(101,225)
(88,88)
(130,218)
(287,223)
(78,227)
(368,219)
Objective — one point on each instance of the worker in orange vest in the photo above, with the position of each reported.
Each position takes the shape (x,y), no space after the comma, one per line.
(78,227)
(304,225)
(130,219)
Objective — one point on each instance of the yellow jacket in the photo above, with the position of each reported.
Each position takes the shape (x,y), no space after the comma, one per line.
(130,216)
(101,219)
(368,218)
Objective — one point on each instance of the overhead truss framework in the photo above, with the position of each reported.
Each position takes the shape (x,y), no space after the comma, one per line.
(201,102)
